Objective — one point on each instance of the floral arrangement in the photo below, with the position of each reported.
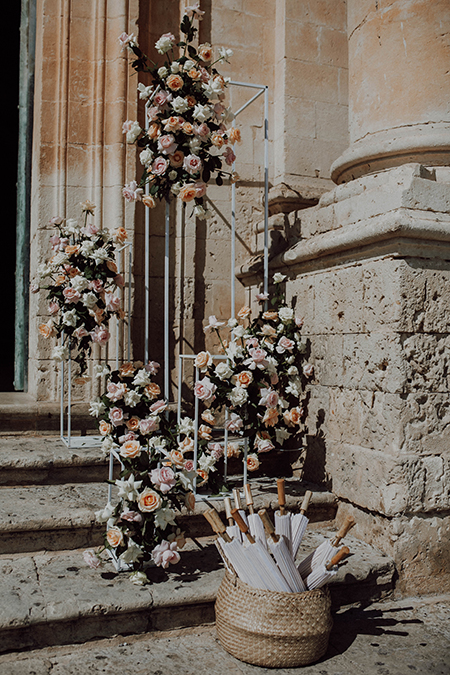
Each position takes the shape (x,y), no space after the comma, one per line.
(262,381)
(156,478)
(187,139)
(82,285)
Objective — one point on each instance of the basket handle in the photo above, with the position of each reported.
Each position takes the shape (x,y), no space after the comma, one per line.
(281,495)
(268,525)
(340,555)
(242,526)
(305,502)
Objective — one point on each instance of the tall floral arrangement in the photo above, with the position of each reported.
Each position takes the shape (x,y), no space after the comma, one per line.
(187,139)
(156,479)
(82,285)
(262,381)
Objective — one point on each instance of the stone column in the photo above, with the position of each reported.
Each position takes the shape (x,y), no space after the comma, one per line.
(399,86)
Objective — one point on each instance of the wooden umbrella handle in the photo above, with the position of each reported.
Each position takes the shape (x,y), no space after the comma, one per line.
(242,526)
(248,497)
(346,526)
(281,495)
(268,525)
(305,502)
(214,520)
(229,517)
(340,555)
(237,498)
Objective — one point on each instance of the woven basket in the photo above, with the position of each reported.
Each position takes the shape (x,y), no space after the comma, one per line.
(275,630)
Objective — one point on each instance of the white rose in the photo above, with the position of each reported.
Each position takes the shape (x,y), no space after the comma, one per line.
(133,132)
(131,398)
(223,371)
(238,396)
(202,112)
(278,278)
(96,408)
(141,378)
(70,318)
(188,65)
(146,157)
(206,463)
(175,67)
(86,248)
(163,72)
(286,314)
(180,105)
(89,300)
(80,283)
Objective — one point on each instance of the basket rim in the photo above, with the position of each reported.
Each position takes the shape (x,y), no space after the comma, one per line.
(236,581)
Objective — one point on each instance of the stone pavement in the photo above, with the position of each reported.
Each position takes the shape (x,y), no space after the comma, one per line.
(393,637)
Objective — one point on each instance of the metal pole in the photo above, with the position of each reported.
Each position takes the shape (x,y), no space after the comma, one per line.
(266,189)
(166,303)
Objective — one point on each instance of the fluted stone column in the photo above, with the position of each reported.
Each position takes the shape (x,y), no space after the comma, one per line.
(399,86)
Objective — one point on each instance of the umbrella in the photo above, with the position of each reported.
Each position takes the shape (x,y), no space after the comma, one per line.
(282,519)
(254,521)
(237,504)
(299,523)
(326,550)
(261,561)
(321,574)
(232,529)
(282,555)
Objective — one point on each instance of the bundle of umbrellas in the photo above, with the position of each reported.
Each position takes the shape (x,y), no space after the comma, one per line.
(263,554)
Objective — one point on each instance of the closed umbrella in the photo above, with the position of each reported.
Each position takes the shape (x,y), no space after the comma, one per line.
(237,504)
(232,529)
(264,565)
(321,574)
(326,550)
(282,518)
(282,555)
(299,523)
(254,521)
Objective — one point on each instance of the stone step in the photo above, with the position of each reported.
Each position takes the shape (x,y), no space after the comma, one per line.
(46,460)
(62,517)
(53,598)
(20,412)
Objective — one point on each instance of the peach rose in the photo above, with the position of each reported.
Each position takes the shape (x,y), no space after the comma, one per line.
(71,294)
(149,501)
(152,390)
(104,428)
(217,139)
(191,100)
(46,329)
(174,82)
(244,378)
(293,416)
(204,432)
(208,417)
(271,417)
(149,201)
(121,235)
(154,130)
(187,193)
(233,449)
(195,74)
(176,457)
(203,475)
(111,265)
(244,312)
(234,135)
(176,159)
(271,315)
(253,462)
(133,423)
(71,249)
(114,537)
(126,369)
(188,128)
(130,449)
(205,51)
(202,360)
(186,445)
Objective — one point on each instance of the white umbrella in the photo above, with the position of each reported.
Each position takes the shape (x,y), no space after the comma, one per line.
(299,523)
(326,550)
(282,555)
(254,521)
(259,557)
(321,574)
(282,519)
(237,504)
(232,529)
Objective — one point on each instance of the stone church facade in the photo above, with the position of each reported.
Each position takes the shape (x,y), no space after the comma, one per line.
(359,221)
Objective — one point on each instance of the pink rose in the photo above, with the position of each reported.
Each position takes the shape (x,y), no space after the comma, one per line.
(192,164)
(152,367)
(229,156)
(234,423)
(148,425)
(158,407)
(269,398)
(112,302)
(258,355)
(167,145)
(71,295)
(201,130)
(152,113)
(204,389)
(200,188)
(131,516)
(91,559)
(116,416)
(284,344)
(96,285)
(308,370)
(165,554)
(164,479)
(53,307)
(216,450)
(100,335)
(252,342)
(80,332)
(92,229)
(159,166)
(162,97)
(188,465)
(119,281)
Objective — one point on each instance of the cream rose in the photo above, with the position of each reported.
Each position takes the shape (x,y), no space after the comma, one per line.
(114,537)
(130,449)
(149,500)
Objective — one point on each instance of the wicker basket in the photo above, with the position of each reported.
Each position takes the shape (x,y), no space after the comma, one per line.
(275,630)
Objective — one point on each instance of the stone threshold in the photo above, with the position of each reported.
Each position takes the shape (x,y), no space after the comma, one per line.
(20,412)
(54,598)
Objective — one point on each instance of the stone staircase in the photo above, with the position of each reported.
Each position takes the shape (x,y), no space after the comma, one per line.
(48,496)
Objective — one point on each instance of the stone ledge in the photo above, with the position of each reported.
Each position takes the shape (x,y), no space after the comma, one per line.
(19,411)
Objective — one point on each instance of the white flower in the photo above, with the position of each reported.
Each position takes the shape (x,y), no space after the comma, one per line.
(86,248)
(128,489)
(144,92)
(225,54)
(69,318)
(89,300)
(164,43)
(215,151)
(163,72)
(131,398)
(99,255)
(104,514)
(100,370)
(107,445)
(201,213)
(172,175)
(281,435)
(223,371)
(133,552)
(164,517)
(175,189)
(71,226)
(44,270)
(132,130)
(238,396)
(97,408)
(239,331)
(146,157)
(206,463)
(195,144)
(278,278)
(213,89)
(141,378)
(139,578)
(292,371)
(234,351)
(186,479)
(80,283)
(232,323)
(60,259)
(202,112)
(180,105)
(286,314)
(294,387)
(213,323)
(188,65)
(186,426)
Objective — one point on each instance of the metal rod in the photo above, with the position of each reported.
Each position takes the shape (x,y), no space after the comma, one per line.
(130,260)
(249,102)
(69,397)
(195,434)
(266,189)
(166,302)
(245,459)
